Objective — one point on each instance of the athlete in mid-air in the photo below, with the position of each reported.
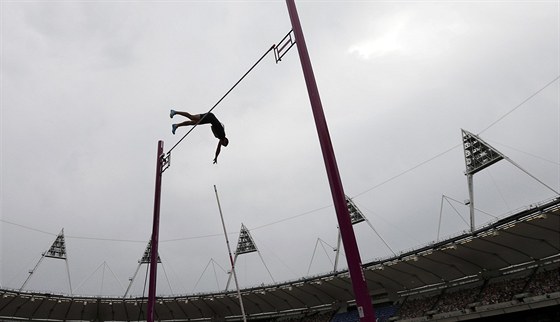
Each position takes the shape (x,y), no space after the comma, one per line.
(206,118)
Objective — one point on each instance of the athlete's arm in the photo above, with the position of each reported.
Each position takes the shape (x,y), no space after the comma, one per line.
(218,149)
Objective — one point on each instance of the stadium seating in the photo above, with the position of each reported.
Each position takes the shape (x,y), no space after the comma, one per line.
(490,292)
(487,294)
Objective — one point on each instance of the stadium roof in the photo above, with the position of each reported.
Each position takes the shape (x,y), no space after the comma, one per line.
(528,237)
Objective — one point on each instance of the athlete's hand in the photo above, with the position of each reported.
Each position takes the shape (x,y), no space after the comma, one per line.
(215,160)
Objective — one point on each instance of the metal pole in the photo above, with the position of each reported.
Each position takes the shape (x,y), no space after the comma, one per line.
(471,199)
(32,271)
(337,251)
(132,280)
(359,284)
(69,280)
(230,258)
(155,235)
(231,273)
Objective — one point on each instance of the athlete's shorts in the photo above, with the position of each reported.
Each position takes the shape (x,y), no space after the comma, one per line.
(209,119)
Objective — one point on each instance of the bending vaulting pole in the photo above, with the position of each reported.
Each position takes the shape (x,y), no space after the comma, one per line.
(359,284)
(155,235)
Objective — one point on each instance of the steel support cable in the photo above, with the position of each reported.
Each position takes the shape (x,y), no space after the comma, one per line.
(448,150)
(527,153)
(114,275)
(224,96)
(382,239)
(324,250)
(166,278)
(201,275)
(27,227)
(82,283)
(407,171)
(520,104)
(141,312)
(457,212)
(482,211)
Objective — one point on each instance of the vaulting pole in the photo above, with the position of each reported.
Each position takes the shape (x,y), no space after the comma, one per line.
(155,235)
(232,262)
(359,284)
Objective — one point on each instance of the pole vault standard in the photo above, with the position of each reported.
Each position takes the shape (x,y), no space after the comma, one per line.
(359,284)
(155,234)
(163,162)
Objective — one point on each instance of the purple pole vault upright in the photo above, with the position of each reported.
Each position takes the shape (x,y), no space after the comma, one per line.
(155,235)
(359,284)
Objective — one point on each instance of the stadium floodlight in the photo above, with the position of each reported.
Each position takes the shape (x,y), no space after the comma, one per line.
(56,251)
(356,217)
(58,247)
(245,245)
(145,259)
(478,154)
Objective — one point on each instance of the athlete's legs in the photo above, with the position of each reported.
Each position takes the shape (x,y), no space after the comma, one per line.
(195,117)
(185,123)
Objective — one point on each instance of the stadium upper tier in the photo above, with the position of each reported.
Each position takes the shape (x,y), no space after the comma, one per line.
(528,237)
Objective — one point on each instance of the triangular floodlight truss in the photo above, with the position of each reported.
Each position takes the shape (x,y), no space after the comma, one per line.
(148,255)
(144,260)
(58,248)
(356,215)
(478,154)
(245,244)
(56,251)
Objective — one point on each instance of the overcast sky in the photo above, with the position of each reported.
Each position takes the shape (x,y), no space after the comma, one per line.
(86,88)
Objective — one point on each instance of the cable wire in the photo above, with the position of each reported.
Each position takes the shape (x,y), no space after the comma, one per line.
(407,171)
(520,104)
(446,151)
(27,227)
